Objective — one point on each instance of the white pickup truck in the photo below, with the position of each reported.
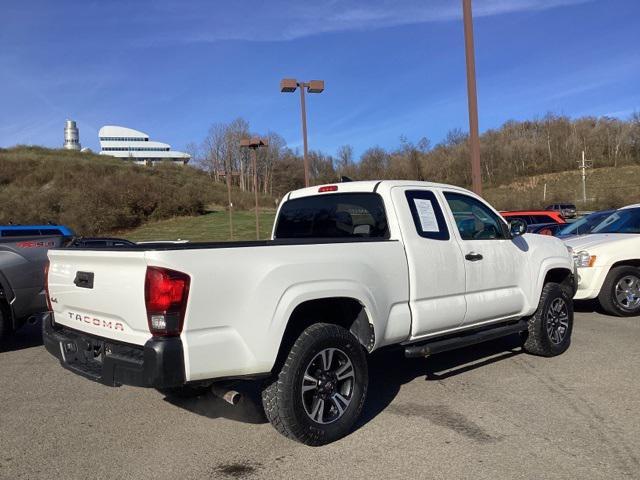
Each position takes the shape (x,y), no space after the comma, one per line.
(350,268)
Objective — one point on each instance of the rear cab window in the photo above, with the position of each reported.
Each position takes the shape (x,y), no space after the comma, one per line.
(427,214)
(336,215)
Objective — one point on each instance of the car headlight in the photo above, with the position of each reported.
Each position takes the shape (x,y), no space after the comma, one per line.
(582,259)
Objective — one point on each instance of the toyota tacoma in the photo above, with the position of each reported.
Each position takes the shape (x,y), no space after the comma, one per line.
(349,269)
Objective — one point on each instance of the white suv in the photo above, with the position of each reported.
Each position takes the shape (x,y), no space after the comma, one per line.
(608,262)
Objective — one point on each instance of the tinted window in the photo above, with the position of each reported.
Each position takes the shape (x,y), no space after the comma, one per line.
(50,231)
(585,224)
(337,215)
(427,215)
(626,220)
(475,221)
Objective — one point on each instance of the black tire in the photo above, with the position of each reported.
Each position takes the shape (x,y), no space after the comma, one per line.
(608,297)
(550,328)
(286,405)
(5,327)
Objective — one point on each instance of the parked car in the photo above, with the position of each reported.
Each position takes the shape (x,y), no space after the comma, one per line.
(566,230)
(22,263)
(350,268)
(567,210)
(534,217)
(608,262)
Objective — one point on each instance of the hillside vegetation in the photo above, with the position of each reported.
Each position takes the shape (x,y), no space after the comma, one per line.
(510,155)
(95,195)
(609,187)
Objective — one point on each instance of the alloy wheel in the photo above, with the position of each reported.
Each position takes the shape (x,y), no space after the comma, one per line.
(327,385)
(557,321)
(627,292)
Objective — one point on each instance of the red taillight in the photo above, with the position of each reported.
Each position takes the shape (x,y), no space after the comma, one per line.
(46,285)
(328,188)
(165,294)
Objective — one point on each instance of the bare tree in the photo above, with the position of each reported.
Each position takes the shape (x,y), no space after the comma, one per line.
(344,161)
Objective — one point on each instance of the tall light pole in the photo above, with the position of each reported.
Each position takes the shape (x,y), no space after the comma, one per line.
(253,144)
(289,85)
(472,96)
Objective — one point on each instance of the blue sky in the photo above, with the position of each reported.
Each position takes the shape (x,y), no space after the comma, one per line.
(391,67)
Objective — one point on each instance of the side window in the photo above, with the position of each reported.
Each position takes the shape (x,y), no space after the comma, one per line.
(475,221)
(427,214)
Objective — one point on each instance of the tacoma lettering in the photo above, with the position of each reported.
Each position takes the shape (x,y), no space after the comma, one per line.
(97,322)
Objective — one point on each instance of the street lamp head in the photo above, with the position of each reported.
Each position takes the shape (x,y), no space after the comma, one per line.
(254,142)
(315,86)
(288,85)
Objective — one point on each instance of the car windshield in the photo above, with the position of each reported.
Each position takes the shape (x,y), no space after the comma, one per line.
(626,220)
(584,225)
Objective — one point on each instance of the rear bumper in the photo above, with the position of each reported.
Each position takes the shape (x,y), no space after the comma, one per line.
(159,363)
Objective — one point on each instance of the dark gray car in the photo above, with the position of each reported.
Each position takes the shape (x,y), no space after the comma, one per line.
(22,263)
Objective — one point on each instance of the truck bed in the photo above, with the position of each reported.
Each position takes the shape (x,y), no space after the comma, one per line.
(240,295)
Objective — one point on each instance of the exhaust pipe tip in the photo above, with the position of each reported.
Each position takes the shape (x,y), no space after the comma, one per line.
(232,397)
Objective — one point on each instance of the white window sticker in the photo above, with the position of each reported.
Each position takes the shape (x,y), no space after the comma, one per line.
(427,216)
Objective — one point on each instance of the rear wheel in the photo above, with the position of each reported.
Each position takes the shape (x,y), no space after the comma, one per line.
(319,392)
(549,332)
(620,293)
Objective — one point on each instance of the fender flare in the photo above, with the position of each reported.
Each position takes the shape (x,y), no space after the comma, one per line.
(300,293)
(549,264)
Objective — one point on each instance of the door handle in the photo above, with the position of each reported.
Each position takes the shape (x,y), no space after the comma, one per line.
(473,256)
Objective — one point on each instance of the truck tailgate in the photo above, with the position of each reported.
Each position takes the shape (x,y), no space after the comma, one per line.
(100,293)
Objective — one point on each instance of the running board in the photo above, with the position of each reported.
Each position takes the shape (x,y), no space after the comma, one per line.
(431,347)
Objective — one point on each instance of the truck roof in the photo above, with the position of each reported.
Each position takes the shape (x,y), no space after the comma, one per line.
(368,186)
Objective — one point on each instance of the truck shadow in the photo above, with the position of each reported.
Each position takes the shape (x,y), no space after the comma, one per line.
(26,337)
(588,306)
(248,410)
(388,371)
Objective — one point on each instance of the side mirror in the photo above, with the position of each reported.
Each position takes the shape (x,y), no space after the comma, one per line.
(517,227)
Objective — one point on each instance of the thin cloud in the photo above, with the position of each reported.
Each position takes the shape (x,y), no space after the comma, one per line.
(275,21)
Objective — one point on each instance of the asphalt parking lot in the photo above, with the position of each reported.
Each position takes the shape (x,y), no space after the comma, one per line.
(484,412)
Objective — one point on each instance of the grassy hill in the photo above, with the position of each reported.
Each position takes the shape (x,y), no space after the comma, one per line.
(212,227)
(96,195)
(608,187)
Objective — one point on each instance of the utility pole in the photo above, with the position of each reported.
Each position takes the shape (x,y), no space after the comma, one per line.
(228,175)
(253,144)
(583,166)
(472,97)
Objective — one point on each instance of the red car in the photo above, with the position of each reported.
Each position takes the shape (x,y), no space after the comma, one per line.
(533,217)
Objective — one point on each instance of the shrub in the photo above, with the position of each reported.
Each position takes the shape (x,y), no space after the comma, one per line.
(95,195)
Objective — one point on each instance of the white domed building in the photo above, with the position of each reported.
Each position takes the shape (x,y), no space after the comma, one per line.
(135,146)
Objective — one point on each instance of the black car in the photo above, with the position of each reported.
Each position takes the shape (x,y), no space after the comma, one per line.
(567,210)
